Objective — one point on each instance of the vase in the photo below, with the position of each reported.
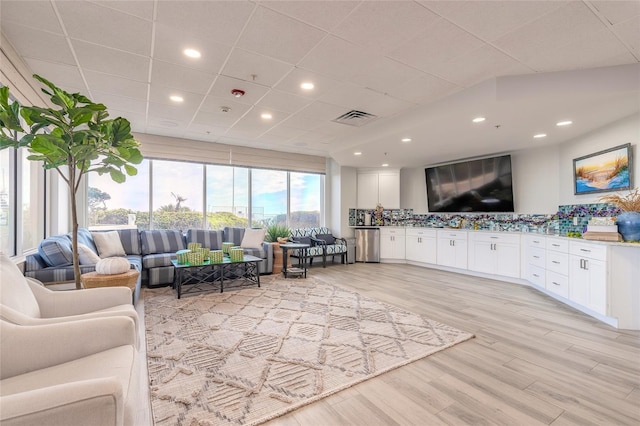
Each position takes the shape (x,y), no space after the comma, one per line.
(277,258)
(629,226)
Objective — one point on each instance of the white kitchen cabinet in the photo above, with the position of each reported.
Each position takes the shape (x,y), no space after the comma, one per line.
(452,248)
(392,243)
(557,266)
(495,253)
(588,276)
(533,263)
(422,245)
(378,187)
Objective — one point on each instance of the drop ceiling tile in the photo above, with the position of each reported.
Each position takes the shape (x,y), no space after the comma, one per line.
(629,32)
(332,129)
(440,42)
(297,121)
(181,78)
(219,21)
(423,89)
(171,41)
(563,26)
(120,103)
(283,101)
(217,119)
(207,131)
(95,24)
(243,65)
(489,20)
(365,100)
(338,59)
(161,94)
(322,112)
(180,113)
(313,138)
(111,61)
(617,11)
(36,44)
(33,14)
(141,9)
(384,25)
(384,75)
(59,74)
(283,133)
(116,85)
(279,36)
(224,85)
(245,132)
(481,64)
(164,131)
(321,14)
(291,83)
(253,118)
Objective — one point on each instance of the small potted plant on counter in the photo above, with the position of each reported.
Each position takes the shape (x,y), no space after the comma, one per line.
(629,220)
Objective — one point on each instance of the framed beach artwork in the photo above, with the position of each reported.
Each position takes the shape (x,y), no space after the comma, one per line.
(608,170)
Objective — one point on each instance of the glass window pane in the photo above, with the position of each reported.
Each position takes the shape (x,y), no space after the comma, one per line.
(227,196)
(177,195)
(306,193)
(31,187)
(119,205)
(6,202)
(268,197)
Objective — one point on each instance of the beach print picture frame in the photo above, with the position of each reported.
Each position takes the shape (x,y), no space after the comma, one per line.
(603,171)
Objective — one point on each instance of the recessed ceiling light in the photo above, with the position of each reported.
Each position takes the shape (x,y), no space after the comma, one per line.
(406,140)
(357,153)
(307,86)
(266,116)
(176,98)
(540,135)
(385,165)
(564,123)
(478,119)
(192,53)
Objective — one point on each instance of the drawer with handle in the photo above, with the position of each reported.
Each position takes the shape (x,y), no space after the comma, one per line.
(591,251)
(558,284)
(558,262)
(558,244)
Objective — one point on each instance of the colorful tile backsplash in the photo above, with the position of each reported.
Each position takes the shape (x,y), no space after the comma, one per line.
(569,218)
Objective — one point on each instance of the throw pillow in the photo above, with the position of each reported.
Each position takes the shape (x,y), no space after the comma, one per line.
(328,238)
(303,240)
(108,244)
(253,238)
(112,266)
(86,255)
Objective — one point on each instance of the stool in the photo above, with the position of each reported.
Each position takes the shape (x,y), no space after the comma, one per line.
(127,279)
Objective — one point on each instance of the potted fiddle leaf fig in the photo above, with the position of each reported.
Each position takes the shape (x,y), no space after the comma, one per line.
(76,138)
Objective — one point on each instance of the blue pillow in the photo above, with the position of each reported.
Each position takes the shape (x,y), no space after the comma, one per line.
(56,250)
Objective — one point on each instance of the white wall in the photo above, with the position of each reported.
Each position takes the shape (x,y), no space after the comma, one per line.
(340,185)
(618,133)
(542,177)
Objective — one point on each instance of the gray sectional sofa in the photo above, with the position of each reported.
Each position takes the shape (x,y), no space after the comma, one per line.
(150,252)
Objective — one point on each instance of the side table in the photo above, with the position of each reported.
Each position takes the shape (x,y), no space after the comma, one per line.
(301,270)
(127,279)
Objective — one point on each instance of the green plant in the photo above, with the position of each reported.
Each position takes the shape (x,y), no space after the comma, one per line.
(75,139)
(276,231)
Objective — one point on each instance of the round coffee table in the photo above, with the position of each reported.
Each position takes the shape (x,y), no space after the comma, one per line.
(127,279)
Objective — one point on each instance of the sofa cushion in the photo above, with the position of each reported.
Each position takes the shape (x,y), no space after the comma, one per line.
(257,252)
(162,241)
(86,256)
(253,238)
(158,259)
(234,235)
(208,239)
(56,250)
(14,290)
(130,239)
(108,244)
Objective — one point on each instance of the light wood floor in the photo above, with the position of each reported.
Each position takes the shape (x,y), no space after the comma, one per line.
(533,360)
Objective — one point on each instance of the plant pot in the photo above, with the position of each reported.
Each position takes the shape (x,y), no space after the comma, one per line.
(629,226)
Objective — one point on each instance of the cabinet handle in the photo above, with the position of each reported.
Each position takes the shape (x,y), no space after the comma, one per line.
(495,238)
(536,257)
(586,265)
(536,242)
(556,245)
(555,283)
(453,243)
(555,261)
(588,251)
(536,275)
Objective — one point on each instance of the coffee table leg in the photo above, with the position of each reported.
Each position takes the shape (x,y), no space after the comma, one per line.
(284,262)
(178,273)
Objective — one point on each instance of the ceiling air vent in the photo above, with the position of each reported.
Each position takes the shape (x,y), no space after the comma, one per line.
(355,118)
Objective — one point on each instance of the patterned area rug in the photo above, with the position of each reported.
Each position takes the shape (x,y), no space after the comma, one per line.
(249,355)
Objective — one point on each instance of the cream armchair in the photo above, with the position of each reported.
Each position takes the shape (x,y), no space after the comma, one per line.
(71,373)
(25,301)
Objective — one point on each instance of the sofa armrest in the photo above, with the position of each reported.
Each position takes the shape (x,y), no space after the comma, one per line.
(100,400)
(67,303)
(25,348)
(343,240)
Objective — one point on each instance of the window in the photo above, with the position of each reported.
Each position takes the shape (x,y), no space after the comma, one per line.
(178,195)
(227,196)
(7,201)
(268,197)
(31,184)
(304,199)
(114,205)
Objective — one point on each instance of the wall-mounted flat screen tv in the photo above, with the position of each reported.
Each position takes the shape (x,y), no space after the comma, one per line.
(483,185)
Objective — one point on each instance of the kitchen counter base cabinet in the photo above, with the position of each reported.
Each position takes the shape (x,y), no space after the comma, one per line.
(452,248)
(392,244)
(588,276)
(495,253)
(422,245)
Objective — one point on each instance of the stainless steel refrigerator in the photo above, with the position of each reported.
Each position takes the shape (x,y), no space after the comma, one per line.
(367,245)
